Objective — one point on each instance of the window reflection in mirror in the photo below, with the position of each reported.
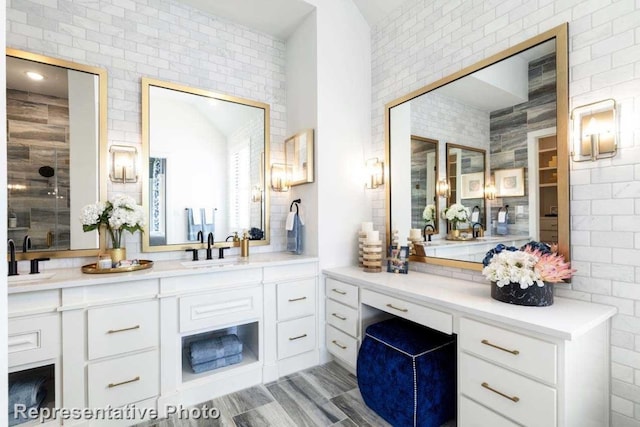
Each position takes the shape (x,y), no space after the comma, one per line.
(205,156)
(56,127)
(508,108)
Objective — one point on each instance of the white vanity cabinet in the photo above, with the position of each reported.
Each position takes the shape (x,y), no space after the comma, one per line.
(533,366)
(342,320)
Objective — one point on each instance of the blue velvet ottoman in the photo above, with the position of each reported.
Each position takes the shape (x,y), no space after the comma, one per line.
(407,373)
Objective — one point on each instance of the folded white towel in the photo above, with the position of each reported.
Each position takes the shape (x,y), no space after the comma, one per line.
(502,216)
(475,216)
(209,215)
(289,223)
(197,218)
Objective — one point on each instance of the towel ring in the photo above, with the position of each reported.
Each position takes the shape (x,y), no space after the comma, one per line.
(295,202)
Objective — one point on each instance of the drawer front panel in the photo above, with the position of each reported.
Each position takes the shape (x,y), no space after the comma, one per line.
(342,345)
(516,397)
(290,271)
(33,339)
(434,319)
(513,350)
(342,317)
(296,336)
(123,380)
(296,299)
(343,292)
(122,328)
(220,308)
(475,415)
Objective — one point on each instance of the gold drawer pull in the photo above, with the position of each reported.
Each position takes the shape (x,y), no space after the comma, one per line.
(297,299)
(514,352)
(338,316)
(511,398)
(344,347)
(404,310)
(115,331)
(297,338)
(338,291)
(112,385)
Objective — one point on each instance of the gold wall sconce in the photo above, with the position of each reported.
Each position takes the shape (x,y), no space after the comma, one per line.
(280,177)
(595,131)
(443,189)
(123,164)
(375,173)
(490,192)
(256,194)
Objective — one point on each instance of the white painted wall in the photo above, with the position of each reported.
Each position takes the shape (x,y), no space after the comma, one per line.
(302,113)
(424,41)
(344,129)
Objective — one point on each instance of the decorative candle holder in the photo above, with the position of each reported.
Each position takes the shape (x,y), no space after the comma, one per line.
(362,236)
(372,256)
(412,244)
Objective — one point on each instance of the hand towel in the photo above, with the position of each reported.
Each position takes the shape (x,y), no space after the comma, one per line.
(209,349)
(27,392)
(290,218)
(192,227)
(218,363)
(208,220)
(475,217)
(294,236)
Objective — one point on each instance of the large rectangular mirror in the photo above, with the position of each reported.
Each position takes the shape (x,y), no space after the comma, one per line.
(511,108)
(56,152)
(204,167)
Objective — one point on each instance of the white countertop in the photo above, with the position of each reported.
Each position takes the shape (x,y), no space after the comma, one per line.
(72,277)
(566,318)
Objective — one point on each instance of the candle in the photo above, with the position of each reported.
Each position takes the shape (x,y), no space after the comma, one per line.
(367,226)
(415,233)
(373,236)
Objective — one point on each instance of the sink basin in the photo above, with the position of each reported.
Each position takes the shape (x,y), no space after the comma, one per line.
(27,278)
(210,263)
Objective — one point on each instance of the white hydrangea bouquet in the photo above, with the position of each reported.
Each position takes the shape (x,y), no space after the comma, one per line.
(117,215)
(429,214)
(455,214)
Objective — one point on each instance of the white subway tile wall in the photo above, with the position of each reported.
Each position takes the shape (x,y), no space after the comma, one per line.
(427,40)
(165,40)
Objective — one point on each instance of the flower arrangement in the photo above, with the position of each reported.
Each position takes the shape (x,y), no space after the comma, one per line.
(429,213)
(117,215)
(533,264)
(456,213)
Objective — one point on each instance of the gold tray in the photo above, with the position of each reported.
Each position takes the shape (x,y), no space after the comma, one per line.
(460,238)
(91,268)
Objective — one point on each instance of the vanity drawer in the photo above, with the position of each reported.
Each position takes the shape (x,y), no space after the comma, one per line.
(342,345)
(548,223)
(123,380)
(296,336)
(296,299)
(475,415)
(525,354)
(342,317)
(523,400)
(434,319)
(220,309)
(343,292)
(122,328)
(33,339)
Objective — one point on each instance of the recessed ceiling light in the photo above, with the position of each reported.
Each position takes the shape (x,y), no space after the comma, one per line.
(34,76)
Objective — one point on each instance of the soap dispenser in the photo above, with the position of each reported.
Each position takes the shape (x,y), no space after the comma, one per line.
(244,245)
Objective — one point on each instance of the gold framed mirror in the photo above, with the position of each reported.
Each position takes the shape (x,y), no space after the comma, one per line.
(204,168)
(513,105)
(56,149)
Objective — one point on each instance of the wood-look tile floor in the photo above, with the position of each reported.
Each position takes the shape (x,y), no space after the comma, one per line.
(325,395)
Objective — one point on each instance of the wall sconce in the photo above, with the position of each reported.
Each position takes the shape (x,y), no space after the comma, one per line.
(280,177)
(123,164)
(256,194)
(442,188)
(594,131)
(375,173)
(490,192)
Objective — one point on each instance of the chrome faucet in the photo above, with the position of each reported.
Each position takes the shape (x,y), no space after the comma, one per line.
(13,264)
(427,236)
(26,243)
(209,245)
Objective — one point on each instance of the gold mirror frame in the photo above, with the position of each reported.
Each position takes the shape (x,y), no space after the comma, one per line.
(146,85)
(560,34)
(102,147)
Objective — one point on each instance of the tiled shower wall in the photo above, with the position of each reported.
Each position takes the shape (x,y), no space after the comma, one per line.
(165,40)
(427,40)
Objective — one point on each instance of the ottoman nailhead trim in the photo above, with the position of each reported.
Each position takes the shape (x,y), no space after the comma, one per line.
(415,394)
(404,352)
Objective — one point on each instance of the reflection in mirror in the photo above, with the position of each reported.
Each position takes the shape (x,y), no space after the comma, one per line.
(511,109)
(205,166)
(466,175)
(56,138)
(424,171)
